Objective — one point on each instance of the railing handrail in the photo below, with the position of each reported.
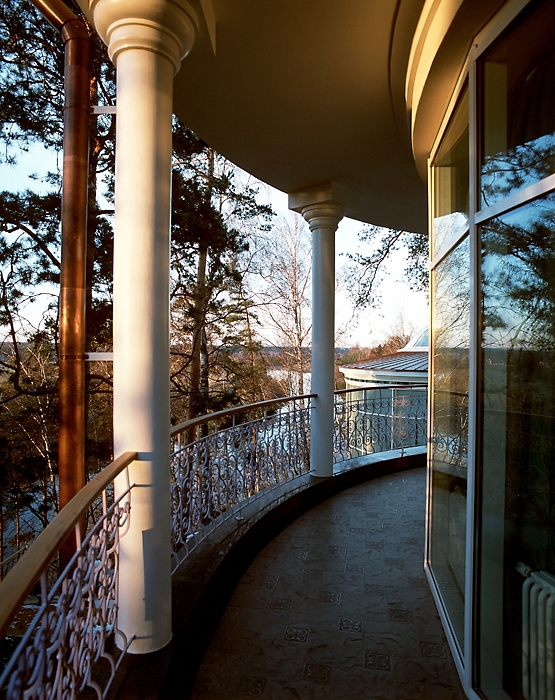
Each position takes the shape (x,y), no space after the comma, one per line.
(181,427)
(23,576)
(193,422)
(340,392)
(15,555)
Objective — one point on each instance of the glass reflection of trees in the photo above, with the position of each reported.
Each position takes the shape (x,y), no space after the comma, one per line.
(451,342)
(518,405)
(518,278)
(506,172)
(518,264)
(450,338)
(518,78)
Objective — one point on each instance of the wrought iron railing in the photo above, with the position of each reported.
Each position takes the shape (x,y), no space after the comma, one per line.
(450,428)
(379,419)
(226,459)
(70,643)
(219,464)
(231,457)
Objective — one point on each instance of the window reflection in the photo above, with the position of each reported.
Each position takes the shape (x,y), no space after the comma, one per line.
(450,338)
(518,427)
(450,175)
(518,98)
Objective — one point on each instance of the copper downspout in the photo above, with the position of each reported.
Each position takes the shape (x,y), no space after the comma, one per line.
(71,449)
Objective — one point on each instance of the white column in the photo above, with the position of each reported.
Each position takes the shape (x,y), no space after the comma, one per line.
(146,40)
(323,220)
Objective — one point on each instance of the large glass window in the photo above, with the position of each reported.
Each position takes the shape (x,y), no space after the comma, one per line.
(501,264)
(450,177)
(450,338)
(518,105)
(449,347)
(518,441)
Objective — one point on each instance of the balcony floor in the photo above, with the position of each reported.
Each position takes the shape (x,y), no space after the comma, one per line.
(337,606)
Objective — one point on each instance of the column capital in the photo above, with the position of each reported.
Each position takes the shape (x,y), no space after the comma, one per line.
(323,215)
(323,194)
(165,27)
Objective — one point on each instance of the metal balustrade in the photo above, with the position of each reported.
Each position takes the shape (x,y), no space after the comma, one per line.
(450,432)
(231,457)
(378,419)
(70,642)
(219,463)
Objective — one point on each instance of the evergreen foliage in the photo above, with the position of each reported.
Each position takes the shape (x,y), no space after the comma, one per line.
(212,215)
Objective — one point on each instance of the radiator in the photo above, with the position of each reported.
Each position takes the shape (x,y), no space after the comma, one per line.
(538,634)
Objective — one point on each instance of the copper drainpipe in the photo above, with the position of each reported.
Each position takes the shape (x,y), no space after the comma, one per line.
(71,449)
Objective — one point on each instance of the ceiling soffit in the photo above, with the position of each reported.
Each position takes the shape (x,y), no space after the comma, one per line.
(299,93)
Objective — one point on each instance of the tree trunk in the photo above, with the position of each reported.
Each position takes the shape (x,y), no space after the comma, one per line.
(198,371)
(204,380)
(1,533)
(17,528)
(91,251)
(250,340)
(198,327)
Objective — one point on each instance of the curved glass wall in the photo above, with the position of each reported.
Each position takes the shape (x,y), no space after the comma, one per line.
(449,451)
(518,429)
(449,365)
(518,100)
(493,349)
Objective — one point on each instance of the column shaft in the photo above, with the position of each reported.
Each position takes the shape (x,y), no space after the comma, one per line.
(323,220)
(141,339)
(323,346)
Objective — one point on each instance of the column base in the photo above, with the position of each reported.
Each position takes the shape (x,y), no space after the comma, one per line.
(319,476)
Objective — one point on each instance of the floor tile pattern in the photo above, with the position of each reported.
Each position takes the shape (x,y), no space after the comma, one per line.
(337,606)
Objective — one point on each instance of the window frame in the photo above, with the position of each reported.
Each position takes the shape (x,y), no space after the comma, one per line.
(466,660)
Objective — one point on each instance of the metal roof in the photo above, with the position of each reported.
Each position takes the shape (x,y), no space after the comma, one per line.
(396,362)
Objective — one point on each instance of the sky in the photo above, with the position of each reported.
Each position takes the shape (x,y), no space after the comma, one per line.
(370,326)
(365,328)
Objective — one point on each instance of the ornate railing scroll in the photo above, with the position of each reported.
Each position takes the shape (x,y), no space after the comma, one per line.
(378,419)
(70,643)
(229,458)
(450,430)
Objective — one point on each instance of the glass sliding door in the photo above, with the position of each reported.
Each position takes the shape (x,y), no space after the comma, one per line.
(450,344)
(516,455)
(492,182)
(518,428)
(449,452)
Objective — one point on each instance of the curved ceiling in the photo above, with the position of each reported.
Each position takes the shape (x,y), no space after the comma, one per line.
(300,93)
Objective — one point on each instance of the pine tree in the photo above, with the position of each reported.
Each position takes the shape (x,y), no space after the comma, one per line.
(211,215)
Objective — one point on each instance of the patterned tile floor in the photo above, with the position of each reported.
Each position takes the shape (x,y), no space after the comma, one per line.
(337,606)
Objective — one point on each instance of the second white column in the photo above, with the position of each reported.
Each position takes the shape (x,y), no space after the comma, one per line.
(323,220)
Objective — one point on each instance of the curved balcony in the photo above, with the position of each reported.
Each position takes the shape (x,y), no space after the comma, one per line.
(238,477)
